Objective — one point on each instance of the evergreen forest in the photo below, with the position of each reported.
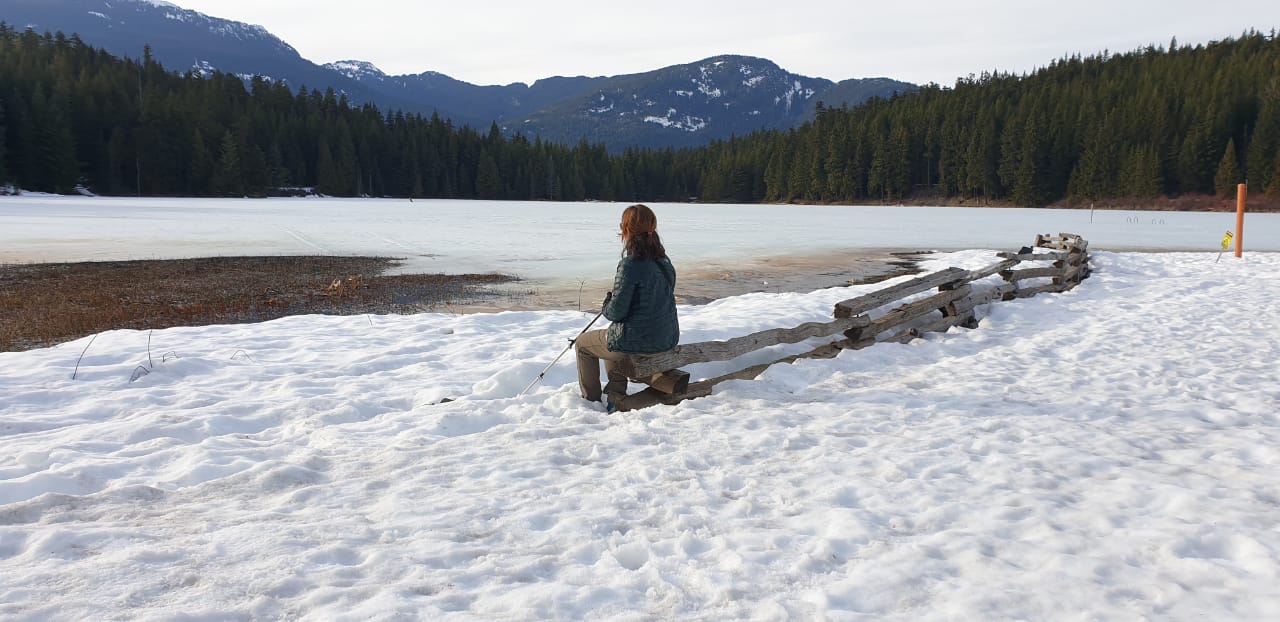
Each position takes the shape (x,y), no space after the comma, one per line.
(1135,126)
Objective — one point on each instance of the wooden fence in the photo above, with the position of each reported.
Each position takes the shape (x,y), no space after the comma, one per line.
(1050,264)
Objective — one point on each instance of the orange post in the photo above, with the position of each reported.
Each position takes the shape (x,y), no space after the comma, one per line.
(1242,190)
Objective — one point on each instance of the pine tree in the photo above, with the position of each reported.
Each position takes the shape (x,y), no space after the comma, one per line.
(805,172)
(488,180)
(200,168)
(4,171)
(409,174)
(837,164)
(573,189)
(899,175)
(346,165)
(327,180)
(742,184)
(1264,144)
(1272,189)
(1141,175)
(1195,159)
(1030,179)
(228,178)
(878,173)
(889,177)
(950,159)
(1228,176)
(278,173)
(121,165)
(981,177)
(416,189)
(254,172)
(1011,148)
(1096,166)
(53,166)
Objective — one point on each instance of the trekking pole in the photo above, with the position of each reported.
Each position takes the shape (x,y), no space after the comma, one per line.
(607,298)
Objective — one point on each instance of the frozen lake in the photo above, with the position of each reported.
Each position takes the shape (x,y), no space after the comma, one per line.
(558,244)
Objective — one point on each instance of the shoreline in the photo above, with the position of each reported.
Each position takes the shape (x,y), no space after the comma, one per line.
(709,281)
(45,304)
(1257,202)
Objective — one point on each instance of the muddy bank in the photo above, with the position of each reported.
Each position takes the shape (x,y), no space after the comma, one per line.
(49,303)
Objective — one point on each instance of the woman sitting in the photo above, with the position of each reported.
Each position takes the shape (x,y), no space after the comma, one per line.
(641,306)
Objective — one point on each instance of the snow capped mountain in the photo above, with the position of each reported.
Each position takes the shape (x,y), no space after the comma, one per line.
(693,104)
(124,26)
(185,40)
(733,80)
(679,106)
(682,105)
(120,12)
(358,70)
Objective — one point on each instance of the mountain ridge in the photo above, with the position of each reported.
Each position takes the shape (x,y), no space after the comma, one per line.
(683,105)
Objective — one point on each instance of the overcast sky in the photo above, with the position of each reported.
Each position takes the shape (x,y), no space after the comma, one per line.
(504,41)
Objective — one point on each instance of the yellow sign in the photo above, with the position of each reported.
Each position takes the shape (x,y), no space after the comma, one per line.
(1226,241)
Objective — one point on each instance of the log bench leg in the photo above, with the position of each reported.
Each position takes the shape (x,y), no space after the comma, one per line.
(642,399)
(664,387)
(669,382)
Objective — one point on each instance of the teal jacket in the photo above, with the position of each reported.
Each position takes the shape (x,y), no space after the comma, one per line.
(643,308)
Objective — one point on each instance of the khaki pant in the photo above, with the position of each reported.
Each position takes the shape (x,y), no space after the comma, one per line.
(591,348)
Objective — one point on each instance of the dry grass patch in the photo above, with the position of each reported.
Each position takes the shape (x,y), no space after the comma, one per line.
(46,304)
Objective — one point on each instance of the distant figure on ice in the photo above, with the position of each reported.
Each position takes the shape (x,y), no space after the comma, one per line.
(642,307)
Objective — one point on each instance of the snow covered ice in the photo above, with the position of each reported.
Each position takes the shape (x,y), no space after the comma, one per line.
(1112,452)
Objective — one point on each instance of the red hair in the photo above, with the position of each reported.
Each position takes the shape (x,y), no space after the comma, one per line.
(640,233)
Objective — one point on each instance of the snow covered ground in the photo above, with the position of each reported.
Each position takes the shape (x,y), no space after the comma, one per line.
(1112,453)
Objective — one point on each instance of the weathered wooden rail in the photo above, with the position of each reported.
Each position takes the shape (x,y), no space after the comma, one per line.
(862,323)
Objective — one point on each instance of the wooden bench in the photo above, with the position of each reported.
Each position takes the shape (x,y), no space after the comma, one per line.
(951,305)
(669,384)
